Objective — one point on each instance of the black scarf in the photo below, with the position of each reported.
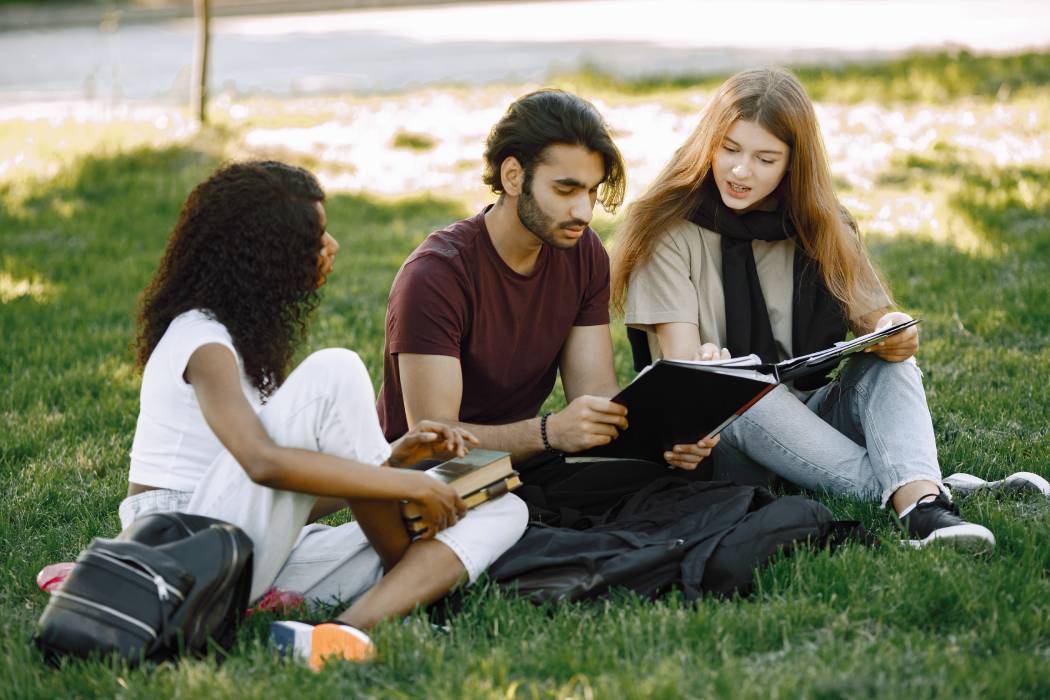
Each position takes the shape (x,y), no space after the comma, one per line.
(817,319)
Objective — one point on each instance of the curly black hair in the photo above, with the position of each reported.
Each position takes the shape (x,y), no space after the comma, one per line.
(244,250)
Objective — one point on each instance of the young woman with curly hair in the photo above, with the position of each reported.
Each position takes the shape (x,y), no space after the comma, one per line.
(741,246)
(224,430)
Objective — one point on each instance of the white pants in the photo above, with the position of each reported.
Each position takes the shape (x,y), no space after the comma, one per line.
(327,405)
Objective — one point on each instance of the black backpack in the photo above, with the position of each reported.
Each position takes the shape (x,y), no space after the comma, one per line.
(163,587)
(702,538)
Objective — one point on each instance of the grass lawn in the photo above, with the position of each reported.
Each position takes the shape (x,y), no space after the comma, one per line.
(84,212)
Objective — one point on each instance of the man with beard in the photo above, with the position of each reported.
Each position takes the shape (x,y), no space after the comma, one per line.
(486,312)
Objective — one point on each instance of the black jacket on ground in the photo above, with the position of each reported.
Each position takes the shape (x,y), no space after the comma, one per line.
(701,537)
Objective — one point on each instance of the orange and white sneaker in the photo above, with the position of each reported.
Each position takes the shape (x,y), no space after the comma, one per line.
(317,644)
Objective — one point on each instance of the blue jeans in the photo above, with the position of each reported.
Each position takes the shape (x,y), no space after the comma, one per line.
(865,434)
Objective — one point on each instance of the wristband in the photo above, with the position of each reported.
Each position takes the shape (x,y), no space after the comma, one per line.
(543,432)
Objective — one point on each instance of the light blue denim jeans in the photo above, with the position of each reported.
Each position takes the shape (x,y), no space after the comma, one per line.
(865,434)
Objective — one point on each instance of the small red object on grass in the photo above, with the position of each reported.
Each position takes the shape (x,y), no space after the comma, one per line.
(52,575)
(277,601)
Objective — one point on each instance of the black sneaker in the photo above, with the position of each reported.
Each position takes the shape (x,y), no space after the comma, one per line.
(936,519)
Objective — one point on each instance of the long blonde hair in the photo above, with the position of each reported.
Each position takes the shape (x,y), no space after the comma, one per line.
(775,100)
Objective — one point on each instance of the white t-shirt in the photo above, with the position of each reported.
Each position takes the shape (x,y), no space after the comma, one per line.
(173,444)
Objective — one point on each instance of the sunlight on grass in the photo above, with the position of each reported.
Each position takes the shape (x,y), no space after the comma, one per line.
(863,139)
(41,139)
(576,688)
(39,143)
(362,144)
(359,151)
(864,143)
(34,287)
(412,141)
(118,372)
(929,215)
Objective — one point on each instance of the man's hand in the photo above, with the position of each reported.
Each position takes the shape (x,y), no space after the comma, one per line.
(440,505)
(688,456)
(430,440)
(589,421)
(899,346)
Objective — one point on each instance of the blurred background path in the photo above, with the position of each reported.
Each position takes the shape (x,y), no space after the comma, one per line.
(397,48)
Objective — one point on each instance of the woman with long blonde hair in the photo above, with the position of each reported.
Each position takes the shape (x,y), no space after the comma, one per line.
(741,246)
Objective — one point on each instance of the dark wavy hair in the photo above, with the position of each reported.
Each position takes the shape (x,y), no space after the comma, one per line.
(545,118)
(244,250)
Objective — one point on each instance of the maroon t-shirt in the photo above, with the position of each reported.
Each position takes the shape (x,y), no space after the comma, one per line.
(455,296)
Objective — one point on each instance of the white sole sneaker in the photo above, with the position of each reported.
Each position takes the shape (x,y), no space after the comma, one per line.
(963,485)
(316,644)
(968,537)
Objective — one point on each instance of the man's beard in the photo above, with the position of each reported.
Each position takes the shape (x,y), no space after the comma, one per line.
(538,223)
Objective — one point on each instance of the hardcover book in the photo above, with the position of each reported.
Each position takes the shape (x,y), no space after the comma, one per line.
(477,477)
(412,516)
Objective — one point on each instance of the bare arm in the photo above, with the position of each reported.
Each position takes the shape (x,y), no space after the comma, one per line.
(213,373)
(681,341)
(432,386)
(586,363)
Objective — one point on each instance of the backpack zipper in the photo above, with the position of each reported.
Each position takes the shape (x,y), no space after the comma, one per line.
(236,553)
(163,587)
(229,570)
(106,609)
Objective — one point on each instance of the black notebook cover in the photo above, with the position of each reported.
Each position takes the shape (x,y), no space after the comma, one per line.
(676,403)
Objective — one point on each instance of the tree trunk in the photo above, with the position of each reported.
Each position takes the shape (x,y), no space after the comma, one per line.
(199,85)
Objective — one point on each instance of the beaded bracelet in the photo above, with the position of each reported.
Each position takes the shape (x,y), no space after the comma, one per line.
(543,432)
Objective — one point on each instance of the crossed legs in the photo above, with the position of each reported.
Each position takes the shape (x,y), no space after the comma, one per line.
(867,434)
(327,405)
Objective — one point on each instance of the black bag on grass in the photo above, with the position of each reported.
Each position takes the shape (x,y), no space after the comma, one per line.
(703,538)
(164,587)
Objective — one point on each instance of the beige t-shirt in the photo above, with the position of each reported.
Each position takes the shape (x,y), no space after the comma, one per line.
(682,282)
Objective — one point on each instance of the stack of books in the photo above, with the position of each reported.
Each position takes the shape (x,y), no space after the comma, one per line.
(480,476)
